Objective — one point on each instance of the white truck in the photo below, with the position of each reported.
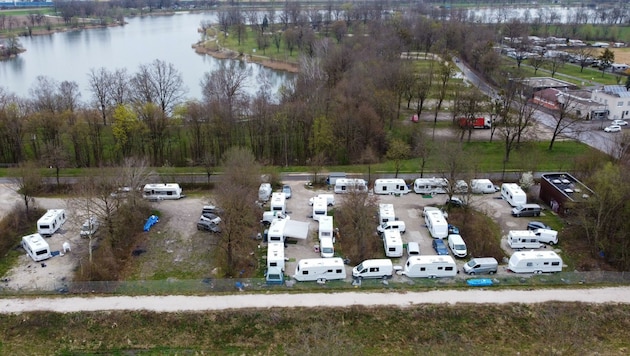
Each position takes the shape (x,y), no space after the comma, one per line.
(376,268)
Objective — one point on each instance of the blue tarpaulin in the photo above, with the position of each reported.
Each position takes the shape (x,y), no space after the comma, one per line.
(479,282)
(152,220)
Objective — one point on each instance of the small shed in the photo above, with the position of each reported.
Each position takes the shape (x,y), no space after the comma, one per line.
(561,190)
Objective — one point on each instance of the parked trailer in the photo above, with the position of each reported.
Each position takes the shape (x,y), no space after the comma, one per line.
(535,262)
(264,192)
(513,194)
(392,242)
(518,239)
(325,229)
(162,191)
(386,213)
(276,231)
(436,223)
(36,247)
(275,255)
(482,186)
(430,186)
(313,269)
(320,208)
(278,203)
(345,185)
(430,267)
(50,222)
(390,186)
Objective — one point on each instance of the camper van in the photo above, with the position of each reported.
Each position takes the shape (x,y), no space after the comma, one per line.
(278,203)
(518,239)
(313,269)
(377,268)
(390,186)
(513,194)
(326,247)
(482,186)
(547,236)
(391,225)
(162,191)
(437,225)
(89,227)
(276,231)
(392,242)
(264,192)
(430,186)
(320,208)
(535,262)
(481,265)
(345,185)
(275,255)
(325,229)
(330,199)
(386,213)
(457,245)
(36,247)
(48,224)
(430,267)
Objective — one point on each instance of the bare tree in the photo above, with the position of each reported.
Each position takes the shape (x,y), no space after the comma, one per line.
(226,86)
(159,83)
(445,73)
(100,84)
(565,117)
(584,56)
(356,220)
(29,182)
(398,151)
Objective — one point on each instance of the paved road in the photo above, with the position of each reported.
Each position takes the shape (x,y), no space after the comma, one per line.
(312,300)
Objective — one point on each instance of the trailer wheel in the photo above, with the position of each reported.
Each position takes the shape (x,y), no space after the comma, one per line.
(537,272)
(491,272)
(472,273)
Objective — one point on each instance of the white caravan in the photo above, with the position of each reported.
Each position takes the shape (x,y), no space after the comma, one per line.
(518,239)
(320,208)
(430,186)
(275,255)
(162,191)
(313,269)
(345,185)
(457,245)
(390,186)
(436,223)
(325,229)
(50,222)
(430,267)
(330,199)
(386,213)
(326,247)
(392,242)
(377,268)
(535,262)
(513,194)
(278,203)
(276,231)
(36,247)
(264,192)
(482,186)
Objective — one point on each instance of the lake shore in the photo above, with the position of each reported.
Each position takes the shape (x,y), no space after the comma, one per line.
(211,48)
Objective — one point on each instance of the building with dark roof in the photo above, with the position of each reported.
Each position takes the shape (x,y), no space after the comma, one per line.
(561,191)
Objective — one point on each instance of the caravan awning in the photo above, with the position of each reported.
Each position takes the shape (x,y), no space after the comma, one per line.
(296,229)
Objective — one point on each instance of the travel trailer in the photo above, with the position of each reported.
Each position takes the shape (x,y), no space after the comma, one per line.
(430,186)
(377,268)
(276,231)
(482,186)
(36,247)
(48,224)
(325,229)
(392,242)
(313,269)
(513,194)
(320,208)
(330,199)
(535,262)
(430,267)
(345,185)
(278,202)
(457,245)
(162,191)
(481,265)
(275,255)
(437,225)
(386,213)
(390,186)
(519,239)
(264,192)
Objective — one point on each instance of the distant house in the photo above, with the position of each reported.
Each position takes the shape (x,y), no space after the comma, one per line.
(561,191)
(578,103)
(616,98)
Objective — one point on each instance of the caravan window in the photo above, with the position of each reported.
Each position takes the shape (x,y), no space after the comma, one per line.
(41,252)
(423,268)
(555,263)
(440,268)
(449,268)
(385,188)
(529,264)
(273,264)
(304,273)
(392,249)
(546,263)
(329,271)
(44,226)
(339,270)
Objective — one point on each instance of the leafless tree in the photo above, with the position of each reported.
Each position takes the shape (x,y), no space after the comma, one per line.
(28,181)
(100,84)
(536,62)
(445,72)
(565,117)
(226,85)
(159,83)
(584,56)
(356,220)
(120,88)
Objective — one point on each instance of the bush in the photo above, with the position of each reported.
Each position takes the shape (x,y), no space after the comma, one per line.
(481,233)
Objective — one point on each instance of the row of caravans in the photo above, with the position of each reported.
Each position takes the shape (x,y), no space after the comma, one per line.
(429,186)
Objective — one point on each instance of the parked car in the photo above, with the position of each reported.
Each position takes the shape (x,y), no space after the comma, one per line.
(89,227)
(453,230)
(455,202)
(213,218)
(212,209)
(287,191)
(205,225)
(535,225)
(620,122)
(612,128)
(440,247)
(527,210)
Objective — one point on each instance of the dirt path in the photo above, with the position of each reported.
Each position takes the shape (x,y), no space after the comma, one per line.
(312,300)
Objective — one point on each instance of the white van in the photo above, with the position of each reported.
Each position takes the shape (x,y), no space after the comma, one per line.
(413,248)
(482,186)
(320,208)
(386,213)
(513,194)
(313,269)
(481,265)
(326,247)
(535,262)
(36,247)
(52,220)
(391,225)
(345,185)
(390,186)
(377,268)
(278,203)
(264,192)
(392,242)
(547,236)
(457,245)
(519,239)
(430,267)
(275,255)
(436,223)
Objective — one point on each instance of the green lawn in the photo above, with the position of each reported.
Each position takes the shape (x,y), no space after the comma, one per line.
(590,76)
